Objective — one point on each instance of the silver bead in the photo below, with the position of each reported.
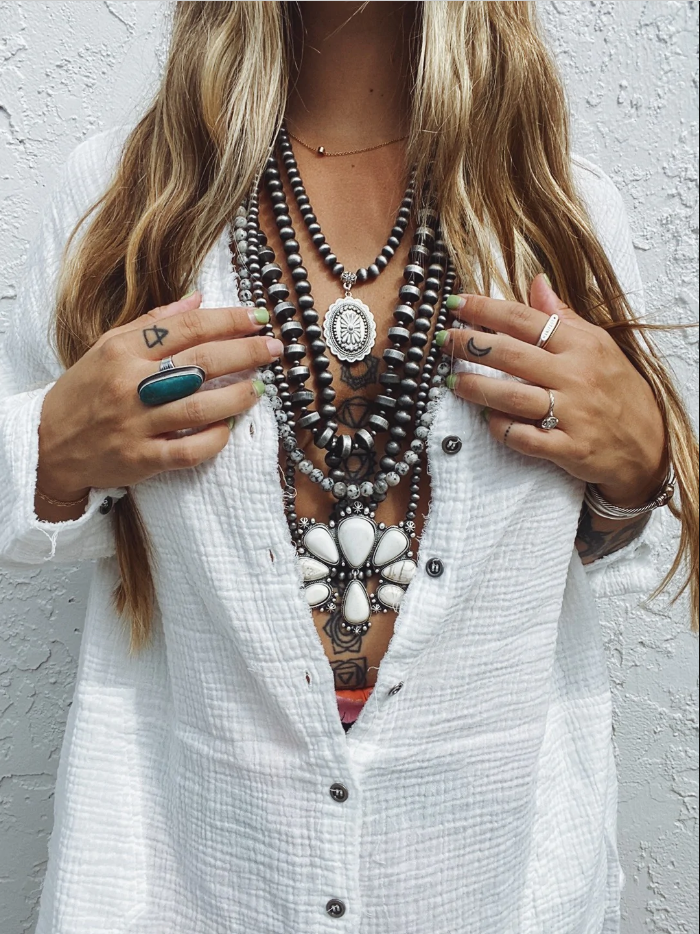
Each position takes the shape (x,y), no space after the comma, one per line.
(392,478)
(306,467)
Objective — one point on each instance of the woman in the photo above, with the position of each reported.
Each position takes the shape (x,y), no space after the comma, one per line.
(259,536)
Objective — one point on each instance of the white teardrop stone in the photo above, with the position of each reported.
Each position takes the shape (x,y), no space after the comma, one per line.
(390,595)
(316,594)
(356,538)
(400,572)
(392,544)
(312,570)
(356,608)
(319,541)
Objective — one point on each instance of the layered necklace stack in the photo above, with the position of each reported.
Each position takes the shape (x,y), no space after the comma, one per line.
(339,557)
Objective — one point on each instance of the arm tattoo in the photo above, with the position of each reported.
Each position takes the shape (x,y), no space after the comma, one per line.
(350,674)
(360,374)
(477,351)
(595,543)
(154,336)
(341,640)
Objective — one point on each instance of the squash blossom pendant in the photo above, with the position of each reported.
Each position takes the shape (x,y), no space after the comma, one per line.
(336,559)
(348,326)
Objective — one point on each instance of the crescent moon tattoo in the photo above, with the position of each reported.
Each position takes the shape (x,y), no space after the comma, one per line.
(477,351)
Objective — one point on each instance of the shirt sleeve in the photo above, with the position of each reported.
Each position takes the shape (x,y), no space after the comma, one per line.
(631,568)
(29,368)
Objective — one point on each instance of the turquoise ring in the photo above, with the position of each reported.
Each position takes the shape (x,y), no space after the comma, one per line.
(170,383)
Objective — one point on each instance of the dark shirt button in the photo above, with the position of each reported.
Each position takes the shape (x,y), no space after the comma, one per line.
(106,505)
(452,444)
(434,567)
(335,908)
(338,792)
(396,688)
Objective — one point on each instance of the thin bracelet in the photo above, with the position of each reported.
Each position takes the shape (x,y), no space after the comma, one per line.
(61,502)
(601,507)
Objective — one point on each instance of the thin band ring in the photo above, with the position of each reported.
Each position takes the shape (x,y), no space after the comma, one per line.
(548,331)
(550,420)
(166,364)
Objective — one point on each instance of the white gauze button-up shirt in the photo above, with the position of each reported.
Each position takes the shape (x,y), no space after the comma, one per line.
(194,791)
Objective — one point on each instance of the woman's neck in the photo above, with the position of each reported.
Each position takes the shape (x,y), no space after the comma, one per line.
(352,85)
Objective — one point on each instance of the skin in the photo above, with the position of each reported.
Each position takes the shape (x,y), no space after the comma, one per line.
(350,92)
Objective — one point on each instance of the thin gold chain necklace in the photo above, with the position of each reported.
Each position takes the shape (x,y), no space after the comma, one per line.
(322,151)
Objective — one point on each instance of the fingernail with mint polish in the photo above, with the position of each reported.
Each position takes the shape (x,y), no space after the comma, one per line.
(441,338)
(259,315)
(275,347)
(547,280)
(486,414)
(451,382)
(259,387)
(189,295)
(231,421)
(454,303)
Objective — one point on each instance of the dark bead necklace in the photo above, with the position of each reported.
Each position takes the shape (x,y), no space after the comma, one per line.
(337,557)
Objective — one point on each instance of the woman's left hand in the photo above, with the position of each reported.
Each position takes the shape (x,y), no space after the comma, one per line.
(610,430)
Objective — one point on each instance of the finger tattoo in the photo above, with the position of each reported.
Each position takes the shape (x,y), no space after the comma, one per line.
(507,432)
(154,336)
(477,351)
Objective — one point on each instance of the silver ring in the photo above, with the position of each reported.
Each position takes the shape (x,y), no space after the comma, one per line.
(170,383)
(166,364)
(548,330)
(550,420)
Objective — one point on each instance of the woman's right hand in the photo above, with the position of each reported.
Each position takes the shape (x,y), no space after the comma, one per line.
(96,432)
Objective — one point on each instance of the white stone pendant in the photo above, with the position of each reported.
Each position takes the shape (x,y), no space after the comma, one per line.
(337,560)
(349,329)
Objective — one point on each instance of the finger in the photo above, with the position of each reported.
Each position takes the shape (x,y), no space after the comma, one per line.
(544,298)
(553,445)
(502,352)
(205,408)
(193,300)
(191,450)
(218,358)
(154,338)
(526,322)
(505,395)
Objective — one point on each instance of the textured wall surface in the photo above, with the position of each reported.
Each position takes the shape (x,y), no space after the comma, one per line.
(69,69)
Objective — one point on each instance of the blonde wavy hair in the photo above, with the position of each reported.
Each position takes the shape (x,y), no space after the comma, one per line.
(489,139)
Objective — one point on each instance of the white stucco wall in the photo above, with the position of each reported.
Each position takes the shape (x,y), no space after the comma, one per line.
(68,69)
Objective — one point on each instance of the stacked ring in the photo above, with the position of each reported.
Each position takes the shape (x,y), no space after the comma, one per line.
(548,330)
(170,383)
(550,420)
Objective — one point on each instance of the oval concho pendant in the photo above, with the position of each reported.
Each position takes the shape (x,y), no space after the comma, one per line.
(349,329)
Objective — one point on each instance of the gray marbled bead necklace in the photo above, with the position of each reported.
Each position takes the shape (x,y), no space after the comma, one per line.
(337,558)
